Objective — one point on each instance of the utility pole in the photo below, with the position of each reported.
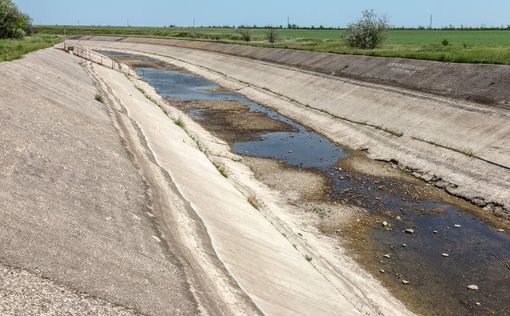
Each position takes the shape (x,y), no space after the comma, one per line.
(288,22)
(194,25)
(127,22)
(430,25)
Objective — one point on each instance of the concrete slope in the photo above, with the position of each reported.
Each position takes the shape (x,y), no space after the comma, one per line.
(278,279)
(487,84)
(460,146)
(75,210)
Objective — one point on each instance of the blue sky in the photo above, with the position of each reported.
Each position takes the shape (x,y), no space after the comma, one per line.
(264,12)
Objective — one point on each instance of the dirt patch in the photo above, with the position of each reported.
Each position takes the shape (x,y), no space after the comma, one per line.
(139,61)
(230,120)
(359,162)
(294,183)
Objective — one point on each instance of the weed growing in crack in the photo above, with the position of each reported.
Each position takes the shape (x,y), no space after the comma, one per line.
(221,168)
(99,98)
(179,122)
(254,202)
(391,131)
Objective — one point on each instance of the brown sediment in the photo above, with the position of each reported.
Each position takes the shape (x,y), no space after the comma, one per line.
(231,120)
(296,184)
(359,162)
(134,61)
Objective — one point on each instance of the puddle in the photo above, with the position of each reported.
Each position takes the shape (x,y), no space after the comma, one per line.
(477,252)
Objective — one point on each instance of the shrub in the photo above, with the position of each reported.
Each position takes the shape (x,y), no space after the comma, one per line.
(13,23)
(445,42)
(272,35)
(368,32)
(466,44)
(245,34)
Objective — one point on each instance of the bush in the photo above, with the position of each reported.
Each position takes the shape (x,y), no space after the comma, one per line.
(271,35)
(245,34)
(445,42)
(368,32)
(13,23)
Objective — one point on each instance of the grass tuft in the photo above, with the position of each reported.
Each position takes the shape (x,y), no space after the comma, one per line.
(221,168)
(391,131)
(254,202)
(99,98)
(179,122)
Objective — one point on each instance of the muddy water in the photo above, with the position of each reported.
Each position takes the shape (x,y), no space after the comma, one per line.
(448,248)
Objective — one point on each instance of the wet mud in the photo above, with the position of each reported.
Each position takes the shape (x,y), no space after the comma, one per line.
(426,246)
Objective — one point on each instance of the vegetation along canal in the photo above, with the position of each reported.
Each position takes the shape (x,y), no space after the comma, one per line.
(431,250)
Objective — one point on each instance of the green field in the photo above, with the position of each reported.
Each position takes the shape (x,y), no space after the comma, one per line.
(13,49)
(467,46)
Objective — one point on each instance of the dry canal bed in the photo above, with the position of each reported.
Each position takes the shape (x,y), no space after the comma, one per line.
(432,250)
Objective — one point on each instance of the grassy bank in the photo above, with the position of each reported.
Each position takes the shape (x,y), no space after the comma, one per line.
(467,46)
(13,49)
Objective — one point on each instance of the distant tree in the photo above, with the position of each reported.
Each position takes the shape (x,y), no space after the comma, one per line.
(369,32)
(271,35)
(13,23)
(245,34)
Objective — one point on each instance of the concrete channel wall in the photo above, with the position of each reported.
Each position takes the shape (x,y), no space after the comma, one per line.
(461,146)
(486,84)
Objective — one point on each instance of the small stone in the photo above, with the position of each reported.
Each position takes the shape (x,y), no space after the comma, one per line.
(473,287)
(409,231)
(435,232)
(399,218)
(457,226)
(290,151)
(404,245)
(444,254)
(405,282)
(501,230)
(441,184)
(478,303)
(385,223)
(382,271)
(387,256)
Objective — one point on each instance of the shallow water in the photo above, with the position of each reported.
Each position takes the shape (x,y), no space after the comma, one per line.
(478,252)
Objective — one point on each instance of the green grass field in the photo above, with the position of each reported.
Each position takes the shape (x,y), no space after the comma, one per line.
(13,49)
(467,46)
